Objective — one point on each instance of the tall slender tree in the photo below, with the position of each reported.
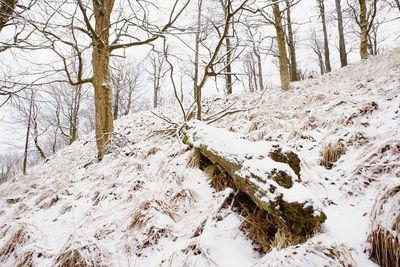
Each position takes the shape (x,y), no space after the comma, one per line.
(321,6)
(197,46)
(342,43)
(294,75)
(280,36)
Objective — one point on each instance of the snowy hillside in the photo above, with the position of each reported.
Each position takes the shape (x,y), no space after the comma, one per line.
(147,203)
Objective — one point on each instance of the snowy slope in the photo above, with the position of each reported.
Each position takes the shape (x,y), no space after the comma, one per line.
(144,204)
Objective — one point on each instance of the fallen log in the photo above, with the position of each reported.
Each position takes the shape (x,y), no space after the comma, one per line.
(267,172)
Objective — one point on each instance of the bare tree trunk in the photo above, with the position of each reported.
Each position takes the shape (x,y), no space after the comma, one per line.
(101,75)
(260,71)
(28,129)
(155,96)
(364,29)
(116,103)
(129,105)
(74,121)
(280,36)
(228,66)
(74,130)
(197,47)
(342,43)
(294,76)
(228,75)
(316,47)
(325,31)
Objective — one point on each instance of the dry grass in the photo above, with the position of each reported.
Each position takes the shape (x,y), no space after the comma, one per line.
(364,110)
(71,258)
(284,238)
(386,244)
(194,254)
(331,154)
(49,202)
(194,159)
(82,256)
(46,194)
(26,260)
(185,195)
(154,235)
(143,213)
(18,238)
(218,180)
(385,248)
(140,218)
(264,230)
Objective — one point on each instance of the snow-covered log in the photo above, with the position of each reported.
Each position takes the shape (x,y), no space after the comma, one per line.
(268,172)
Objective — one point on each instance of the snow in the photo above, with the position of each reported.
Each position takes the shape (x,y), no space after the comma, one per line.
(73,201)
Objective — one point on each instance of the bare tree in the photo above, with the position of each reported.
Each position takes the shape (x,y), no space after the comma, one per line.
(228,48)
(9,166)
(197,45)
(280,36)
(209,68)
(28,131)
(125,82)
(157,73)
(317,47)
(250,69)
(321,7)
(294,75)
(373,38)
(67,103)
(342,43)
(364,13)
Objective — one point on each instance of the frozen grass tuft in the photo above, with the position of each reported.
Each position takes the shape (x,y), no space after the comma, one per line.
(331,154)
(18,238)
(385,234)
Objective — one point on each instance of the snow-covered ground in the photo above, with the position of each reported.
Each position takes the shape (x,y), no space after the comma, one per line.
(143,205)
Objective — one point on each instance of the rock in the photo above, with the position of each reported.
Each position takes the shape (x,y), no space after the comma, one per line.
(267,172)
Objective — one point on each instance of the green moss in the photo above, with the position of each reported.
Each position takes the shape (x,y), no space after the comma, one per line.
(289,158)
(282,178)
(12,201)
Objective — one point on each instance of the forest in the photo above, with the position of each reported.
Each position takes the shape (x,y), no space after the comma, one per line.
(200,133)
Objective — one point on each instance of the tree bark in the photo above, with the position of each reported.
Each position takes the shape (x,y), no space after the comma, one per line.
(101,75)
(28,129)
(364,29)
(342,43)
(260,70)
(294,75)
(197,48)
(228,75)
(326,41)
(116,103)
(280,36)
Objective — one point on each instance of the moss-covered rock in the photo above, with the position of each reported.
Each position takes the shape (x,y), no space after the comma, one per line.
(288,157)
(266,178)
